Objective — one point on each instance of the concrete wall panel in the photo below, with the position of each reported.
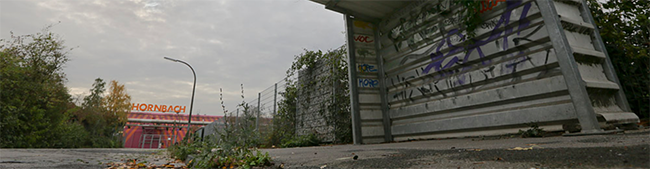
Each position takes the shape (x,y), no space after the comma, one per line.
(530,61)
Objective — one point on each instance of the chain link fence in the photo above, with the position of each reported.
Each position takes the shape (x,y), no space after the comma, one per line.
(318,103)
(265,105)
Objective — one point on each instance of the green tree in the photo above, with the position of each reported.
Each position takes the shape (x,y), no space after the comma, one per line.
(96,123)
(35,107)
(104,116)
(625,29)
(34,102)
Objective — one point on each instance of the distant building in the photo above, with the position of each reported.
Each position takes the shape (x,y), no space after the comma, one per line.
(159,130)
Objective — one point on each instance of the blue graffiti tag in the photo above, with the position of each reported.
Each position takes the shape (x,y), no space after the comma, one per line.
(368,82)
(501,28)
(437,56)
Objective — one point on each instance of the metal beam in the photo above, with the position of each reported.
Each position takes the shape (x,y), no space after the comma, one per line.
(146,125)
(354,91)
(358,16)
(388,136)
(576,86)
(166,121)
(610,72)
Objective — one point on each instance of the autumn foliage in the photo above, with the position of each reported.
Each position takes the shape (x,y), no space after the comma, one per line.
(36,110)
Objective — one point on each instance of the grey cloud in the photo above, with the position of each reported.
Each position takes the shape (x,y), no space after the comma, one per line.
(227,42)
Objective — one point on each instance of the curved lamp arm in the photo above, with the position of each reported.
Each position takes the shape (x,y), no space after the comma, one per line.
(189,121)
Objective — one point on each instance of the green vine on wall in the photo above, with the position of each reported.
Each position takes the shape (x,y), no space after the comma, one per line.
(334,109)
(472,20)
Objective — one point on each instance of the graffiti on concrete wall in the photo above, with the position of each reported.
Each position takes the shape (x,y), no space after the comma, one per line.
(368,82)
(487,5)
(363,39)
(363,52)
(366,68)
(451,60)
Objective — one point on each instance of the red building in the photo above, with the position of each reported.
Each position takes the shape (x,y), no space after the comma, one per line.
(159,130)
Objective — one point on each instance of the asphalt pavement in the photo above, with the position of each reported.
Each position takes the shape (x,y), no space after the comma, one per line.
(630,149)
(80,158)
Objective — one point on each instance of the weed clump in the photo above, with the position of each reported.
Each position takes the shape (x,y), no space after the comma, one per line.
(302,141)
(233,145)
(533,131)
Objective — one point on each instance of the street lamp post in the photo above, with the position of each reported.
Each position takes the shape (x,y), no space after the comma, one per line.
(189,121)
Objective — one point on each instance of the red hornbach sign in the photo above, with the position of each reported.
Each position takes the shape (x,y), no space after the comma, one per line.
(157,108)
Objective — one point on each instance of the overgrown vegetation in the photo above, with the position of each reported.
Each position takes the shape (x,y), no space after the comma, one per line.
(335,109)
(302,141)
(103,117)
(533,131)
(625,29)
(36,110)
(472,19)
(233,145)
(285,120)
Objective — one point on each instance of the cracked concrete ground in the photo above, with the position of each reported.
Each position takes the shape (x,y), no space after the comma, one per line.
(78,158)
(625,150)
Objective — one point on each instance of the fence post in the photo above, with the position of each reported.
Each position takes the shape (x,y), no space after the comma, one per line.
(257,120)
(334,84)
(275,97)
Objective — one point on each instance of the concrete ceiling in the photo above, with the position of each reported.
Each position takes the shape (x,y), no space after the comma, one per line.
(367,10)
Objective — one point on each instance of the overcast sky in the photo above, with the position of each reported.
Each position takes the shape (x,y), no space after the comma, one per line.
(227,42)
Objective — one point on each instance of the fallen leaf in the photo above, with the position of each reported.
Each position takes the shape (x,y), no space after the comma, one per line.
(521,148)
